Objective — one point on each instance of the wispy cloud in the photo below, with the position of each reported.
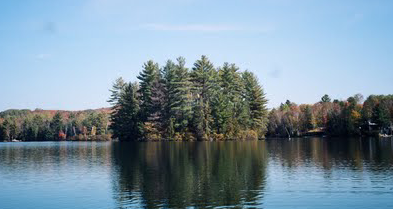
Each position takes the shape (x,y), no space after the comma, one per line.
(276,72)
(43,56)
(203,27)
(49,27)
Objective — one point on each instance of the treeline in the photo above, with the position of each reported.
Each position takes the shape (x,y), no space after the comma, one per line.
(350,117)
(173,102)
(40,125)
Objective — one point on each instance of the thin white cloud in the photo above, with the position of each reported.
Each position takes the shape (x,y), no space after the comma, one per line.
(203,27)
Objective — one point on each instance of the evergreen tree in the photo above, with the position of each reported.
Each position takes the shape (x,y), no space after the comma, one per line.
(231,82)
(177,97)
(154,123)
(203,81)
(147,77)
(2,132)
(45,133)
(235,109)
(255,97)
(220,112)
(325,98)
(381,115)
(56,125)
(126,124)
(96,121)
(101,123)
(198,118)
(116,90)
(180,108)
(30,129)
(336,124)
(13,129)
(168,72)
(10,128)
(309,118)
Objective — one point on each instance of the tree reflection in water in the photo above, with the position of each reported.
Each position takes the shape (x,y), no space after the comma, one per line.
(181,174)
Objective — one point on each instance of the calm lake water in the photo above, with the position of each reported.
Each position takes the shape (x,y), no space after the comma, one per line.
(301,173)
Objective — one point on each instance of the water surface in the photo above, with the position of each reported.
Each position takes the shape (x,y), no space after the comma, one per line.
(301,173)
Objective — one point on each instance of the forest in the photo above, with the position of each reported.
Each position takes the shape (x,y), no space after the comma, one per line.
(350,117)
(46,125)
(173,102)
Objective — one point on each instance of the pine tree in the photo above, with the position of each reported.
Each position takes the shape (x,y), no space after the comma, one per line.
(202,77)
(255,97)
(230,82)
(2,132)
(381,115)
(181,107)
(30,129)
(168,72)
(154,123)
(147,77)
(325,98)
(198,118)
(115,100)
(220,112)
(45,132)
(231,87)
(126,124)
(177,109)
(309,118)
(56,125)
(116,90)
(152,97)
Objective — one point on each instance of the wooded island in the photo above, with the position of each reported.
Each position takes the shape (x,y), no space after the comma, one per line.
(175,103)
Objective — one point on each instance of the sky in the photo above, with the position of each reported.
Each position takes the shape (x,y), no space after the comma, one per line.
(66,54)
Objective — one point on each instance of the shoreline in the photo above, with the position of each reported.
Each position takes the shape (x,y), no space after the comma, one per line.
(267,138)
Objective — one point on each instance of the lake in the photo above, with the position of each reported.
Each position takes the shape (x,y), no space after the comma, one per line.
(275,173)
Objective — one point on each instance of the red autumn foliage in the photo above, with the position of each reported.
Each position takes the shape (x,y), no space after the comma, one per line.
(62,135)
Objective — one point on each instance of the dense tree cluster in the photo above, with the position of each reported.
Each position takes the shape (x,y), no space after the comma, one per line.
(39,125)
(337,118)
(176,103)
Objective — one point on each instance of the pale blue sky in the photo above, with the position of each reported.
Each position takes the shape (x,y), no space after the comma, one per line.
(66,54)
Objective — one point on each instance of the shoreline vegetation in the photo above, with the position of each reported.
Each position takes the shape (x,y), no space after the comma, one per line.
(350,117)
(175,103)
(52,125)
